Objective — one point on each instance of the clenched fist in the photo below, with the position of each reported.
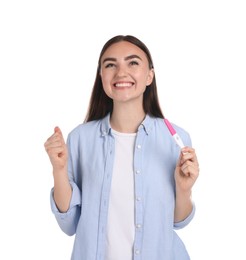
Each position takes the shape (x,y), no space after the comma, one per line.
(187,169)
(56,149)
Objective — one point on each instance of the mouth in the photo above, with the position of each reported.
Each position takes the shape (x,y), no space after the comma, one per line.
(123,84)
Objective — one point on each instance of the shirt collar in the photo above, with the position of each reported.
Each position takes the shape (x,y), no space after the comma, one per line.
(105,126)
(146,125)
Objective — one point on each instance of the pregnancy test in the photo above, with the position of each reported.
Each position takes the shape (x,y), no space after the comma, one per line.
(174,134)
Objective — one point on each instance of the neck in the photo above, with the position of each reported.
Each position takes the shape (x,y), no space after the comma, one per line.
(127,118)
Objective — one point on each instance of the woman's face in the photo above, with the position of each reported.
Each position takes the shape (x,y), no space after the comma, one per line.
(125,72)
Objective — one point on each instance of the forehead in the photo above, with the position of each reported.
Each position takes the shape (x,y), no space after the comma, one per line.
(123,49)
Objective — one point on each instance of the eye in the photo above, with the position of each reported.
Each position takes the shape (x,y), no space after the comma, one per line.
(109,65)
(133,63)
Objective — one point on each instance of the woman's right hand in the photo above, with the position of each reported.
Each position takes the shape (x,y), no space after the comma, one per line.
(56,149)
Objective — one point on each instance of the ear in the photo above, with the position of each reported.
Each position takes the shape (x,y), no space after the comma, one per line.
(150,77)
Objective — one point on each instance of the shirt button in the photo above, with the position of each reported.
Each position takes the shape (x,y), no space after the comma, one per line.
(137,171)
(137,251)
(138,198)
(138,226)
(139,146)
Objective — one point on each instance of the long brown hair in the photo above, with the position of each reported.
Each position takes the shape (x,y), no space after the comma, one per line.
(100,104)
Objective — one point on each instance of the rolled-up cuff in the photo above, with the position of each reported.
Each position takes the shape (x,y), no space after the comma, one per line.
(185,222)
(75,200)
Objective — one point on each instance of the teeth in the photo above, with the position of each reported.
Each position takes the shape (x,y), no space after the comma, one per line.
(120,85)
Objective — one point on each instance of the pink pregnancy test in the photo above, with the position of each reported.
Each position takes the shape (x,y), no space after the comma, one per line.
(174,134)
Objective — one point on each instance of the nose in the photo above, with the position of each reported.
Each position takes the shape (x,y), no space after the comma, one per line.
(121,71)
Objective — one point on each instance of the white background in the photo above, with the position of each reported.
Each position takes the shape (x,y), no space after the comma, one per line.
(48,58)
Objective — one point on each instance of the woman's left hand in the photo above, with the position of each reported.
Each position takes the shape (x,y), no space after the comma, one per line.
(187,170)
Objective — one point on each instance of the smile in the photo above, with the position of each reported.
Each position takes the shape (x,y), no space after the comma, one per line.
(123,85)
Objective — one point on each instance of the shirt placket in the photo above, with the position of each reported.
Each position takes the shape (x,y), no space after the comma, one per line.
(138,177)
(109,141)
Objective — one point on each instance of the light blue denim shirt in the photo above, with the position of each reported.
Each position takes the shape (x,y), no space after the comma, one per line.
(91,157)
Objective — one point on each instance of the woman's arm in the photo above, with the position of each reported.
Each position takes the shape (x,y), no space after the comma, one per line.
(186,173)
(57,151)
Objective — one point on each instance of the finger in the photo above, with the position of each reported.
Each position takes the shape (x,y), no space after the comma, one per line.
(55,151)
(189,169)
(55,137)
(188,149)
(189,155)
(58,131)
(53,144)
(179,160)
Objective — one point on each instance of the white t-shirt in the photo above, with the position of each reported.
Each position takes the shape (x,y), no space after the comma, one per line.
(121,227)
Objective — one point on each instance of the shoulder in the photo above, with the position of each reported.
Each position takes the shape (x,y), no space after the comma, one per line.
(84,127)
(87,129)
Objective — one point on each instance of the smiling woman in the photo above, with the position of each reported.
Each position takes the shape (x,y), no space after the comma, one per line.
(121,184)
(125,74)
(100,103)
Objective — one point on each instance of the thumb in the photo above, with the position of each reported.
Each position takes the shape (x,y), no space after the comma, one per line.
(57,130)
(178,163)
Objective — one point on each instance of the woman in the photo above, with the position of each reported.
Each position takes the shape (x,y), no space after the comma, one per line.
(121,184)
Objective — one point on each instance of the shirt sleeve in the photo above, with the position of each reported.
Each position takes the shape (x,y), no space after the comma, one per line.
(68,221)
(187,141)
(186,221)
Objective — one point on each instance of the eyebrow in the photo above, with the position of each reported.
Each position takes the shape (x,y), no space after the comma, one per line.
(130,57)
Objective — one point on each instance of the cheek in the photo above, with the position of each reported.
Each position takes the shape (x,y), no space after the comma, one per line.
(104,80)
(106,84)
(106,77)
(143,78)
